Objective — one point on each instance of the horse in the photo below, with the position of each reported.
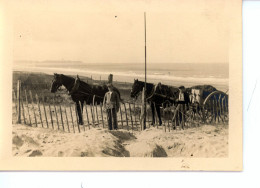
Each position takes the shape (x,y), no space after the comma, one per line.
(80,91)
(156,95)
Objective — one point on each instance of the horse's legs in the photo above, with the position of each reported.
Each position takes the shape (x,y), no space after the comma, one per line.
(79,112)
(158,113)
(153,116)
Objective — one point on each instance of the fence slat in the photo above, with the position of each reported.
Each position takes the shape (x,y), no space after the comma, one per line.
(135,116)
(35,119)
(213,110)
(164,117)
(182,116)
(155,115)
(87,115)
(126,118)
(147,115)
(102,115)
(39,109)
(131,116)
(44,109)
(92,114)
(51,116)
(15,100)
(77,118)
(67,119)
(93,110)
(57,120)
(223,108)
(219,104)
(61,117)
(168,121)
(24,120)
(121,116)
(97,113)
(27,105)
(72,120)
(19,101)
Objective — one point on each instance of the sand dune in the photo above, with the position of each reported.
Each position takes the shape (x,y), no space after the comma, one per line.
(203,141)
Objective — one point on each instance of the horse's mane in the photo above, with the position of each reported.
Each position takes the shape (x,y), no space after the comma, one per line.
(80,85)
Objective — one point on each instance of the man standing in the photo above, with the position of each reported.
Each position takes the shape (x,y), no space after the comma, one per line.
(182,100)
(111,105)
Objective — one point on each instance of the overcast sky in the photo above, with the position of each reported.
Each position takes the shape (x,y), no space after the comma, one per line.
(101,31)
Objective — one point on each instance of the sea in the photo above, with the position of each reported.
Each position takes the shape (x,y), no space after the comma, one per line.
(175,74)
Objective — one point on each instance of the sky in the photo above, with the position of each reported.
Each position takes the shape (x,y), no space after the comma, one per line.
(113,31)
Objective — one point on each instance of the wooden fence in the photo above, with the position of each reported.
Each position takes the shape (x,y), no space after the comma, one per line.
(32,110)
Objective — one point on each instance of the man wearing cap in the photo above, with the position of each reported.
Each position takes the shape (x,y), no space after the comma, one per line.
(111,105)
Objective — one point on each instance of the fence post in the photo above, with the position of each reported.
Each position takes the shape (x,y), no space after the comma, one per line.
(19,101)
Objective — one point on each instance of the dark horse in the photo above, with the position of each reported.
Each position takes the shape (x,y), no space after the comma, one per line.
(80,91)
(156,95)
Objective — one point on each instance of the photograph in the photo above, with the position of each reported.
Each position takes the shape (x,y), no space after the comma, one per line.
(134,80)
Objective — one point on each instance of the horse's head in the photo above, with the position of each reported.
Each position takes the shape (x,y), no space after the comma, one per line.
(136,88)
(56,82)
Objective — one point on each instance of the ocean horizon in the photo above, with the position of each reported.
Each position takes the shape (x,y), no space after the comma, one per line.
(187,74)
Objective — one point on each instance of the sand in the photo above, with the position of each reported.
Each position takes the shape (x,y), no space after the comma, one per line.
(203,141)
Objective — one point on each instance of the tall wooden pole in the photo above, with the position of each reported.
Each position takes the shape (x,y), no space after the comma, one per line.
(145,71)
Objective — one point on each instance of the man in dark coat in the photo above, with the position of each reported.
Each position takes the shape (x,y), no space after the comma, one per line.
(111,105)
(181,101)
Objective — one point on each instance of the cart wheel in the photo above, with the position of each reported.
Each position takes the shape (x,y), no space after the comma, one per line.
(215,108)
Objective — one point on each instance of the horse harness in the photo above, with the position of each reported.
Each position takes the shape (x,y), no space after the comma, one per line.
(75,88)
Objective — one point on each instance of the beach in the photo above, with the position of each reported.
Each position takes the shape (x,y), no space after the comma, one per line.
(206,141)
